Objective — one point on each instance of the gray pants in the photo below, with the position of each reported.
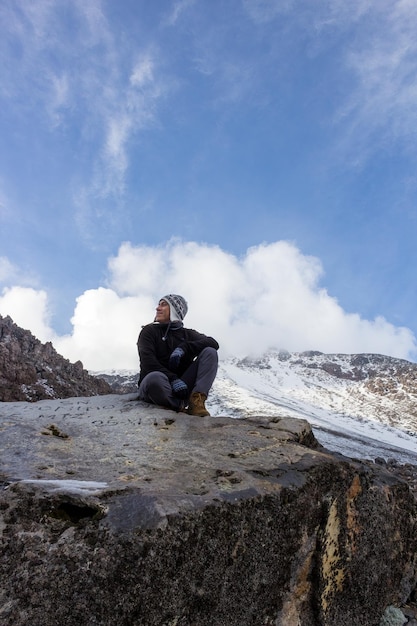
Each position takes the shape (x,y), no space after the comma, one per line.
(156,388)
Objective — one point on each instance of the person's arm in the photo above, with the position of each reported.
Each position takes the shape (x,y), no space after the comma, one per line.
(195,342)
(149,361)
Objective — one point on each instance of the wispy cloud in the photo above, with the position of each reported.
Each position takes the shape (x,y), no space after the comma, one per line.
(383,104)
(373,94)
(59,99)
(11,274)
(179,7)
(5,210)
(377,104)
(8,270)
(69,61)
(131,110)
(264,11)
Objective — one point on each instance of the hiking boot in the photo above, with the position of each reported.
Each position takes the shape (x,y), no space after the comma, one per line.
(196,404)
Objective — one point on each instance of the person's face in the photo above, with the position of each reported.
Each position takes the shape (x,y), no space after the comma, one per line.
(162,312)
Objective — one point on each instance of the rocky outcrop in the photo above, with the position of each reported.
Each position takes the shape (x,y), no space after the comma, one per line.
(120,513)
(31,370)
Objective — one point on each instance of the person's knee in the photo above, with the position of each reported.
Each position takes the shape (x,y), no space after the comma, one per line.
(156,388)
(155,380)
(210,353)
(151,382)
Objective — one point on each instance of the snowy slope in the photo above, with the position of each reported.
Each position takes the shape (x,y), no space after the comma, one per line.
(349,415)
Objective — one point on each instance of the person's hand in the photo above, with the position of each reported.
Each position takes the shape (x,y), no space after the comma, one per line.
(175,358)
(179,388)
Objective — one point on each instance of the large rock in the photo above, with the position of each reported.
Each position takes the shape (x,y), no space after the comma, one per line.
(118,513)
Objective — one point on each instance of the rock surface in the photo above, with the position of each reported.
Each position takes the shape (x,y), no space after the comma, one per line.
(120,513)
(31,370)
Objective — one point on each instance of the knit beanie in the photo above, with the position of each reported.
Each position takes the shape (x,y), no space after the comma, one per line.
(177,305)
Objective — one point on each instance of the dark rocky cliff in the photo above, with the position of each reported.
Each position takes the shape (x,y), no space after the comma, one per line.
(122,514)
(31,370)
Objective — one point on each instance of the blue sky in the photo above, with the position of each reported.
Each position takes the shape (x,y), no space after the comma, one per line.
(154,147)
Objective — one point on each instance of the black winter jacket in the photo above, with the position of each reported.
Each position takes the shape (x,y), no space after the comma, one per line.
(157,341)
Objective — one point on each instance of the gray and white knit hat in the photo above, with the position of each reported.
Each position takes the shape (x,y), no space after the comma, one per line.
(177,305)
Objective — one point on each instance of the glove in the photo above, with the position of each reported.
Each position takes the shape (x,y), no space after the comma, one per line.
(179,388)
(175,358)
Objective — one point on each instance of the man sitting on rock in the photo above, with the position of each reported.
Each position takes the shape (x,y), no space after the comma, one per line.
(177,365)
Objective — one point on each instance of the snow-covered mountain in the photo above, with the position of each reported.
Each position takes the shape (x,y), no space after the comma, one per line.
(361,405)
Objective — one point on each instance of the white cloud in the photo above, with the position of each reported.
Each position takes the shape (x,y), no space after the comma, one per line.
(28,308)
(271,297)
(105,330)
